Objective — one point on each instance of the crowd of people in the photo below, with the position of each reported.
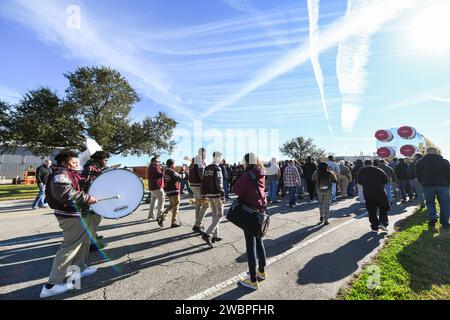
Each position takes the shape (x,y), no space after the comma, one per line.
(256,184)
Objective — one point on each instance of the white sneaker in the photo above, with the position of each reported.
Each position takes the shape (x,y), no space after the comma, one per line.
(57,289)
(382,227)
(88,272)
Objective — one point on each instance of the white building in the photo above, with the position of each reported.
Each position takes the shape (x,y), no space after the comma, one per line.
(14,164)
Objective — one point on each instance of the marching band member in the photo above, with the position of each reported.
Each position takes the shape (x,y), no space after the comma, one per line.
(65,195)
(212,188)
(172,188)
(195,180)
(156,187)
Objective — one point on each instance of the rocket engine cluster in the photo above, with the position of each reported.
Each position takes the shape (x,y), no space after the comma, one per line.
(405,142)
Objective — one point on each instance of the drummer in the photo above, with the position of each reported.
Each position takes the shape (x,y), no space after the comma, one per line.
(92,169)
(65,195)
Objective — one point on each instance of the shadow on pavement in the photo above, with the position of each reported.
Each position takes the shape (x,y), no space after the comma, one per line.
(342,262)
(25,269)
(282,244)
(235,294)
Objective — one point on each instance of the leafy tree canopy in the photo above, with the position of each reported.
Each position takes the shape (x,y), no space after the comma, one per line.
(97,104)
(300,148)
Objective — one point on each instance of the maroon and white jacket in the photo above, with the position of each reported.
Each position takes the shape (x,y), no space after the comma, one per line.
(155,177)
(196,172)
(65,193)
(212,184)
(172,183)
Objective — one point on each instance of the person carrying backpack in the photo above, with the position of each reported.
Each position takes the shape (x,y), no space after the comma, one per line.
(250,190)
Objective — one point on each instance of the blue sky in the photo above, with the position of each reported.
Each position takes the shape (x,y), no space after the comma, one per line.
(335,71)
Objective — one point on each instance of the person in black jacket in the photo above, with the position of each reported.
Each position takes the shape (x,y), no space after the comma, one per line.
(42,174)
(373,181)
(415,182)
(404,182)
(308,170)
(433,172)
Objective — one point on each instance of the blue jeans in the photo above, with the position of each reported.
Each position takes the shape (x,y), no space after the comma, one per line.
(443,197)
(292,192)
(185,183)
(226,187)
(273,188)
(351,188)
(334,191)
(419,191)
(255,247)
(40,198)
(388,188)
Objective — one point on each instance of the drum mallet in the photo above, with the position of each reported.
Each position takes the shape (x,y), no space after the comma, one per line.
(113,198)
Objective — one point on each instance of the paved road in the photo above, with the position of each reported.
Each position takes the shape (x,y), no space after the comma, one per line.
(143,261)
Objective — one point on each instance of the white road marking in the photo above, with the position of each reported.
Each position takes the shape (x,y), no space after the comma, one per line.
(220,286)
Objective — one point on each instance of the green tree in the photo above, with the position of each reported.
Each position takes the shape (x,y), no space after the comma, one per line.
(41,123)
(98,104)
(299,148)
(5,124)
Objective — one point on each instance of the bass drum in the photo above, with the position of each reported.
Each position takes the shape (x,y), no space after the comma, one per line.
(119,191)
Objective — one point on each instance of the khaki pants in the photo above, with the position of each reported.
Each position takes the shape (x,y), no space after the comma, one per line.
(343,184)
(201,205)
(74,250)
(174,206)
(217,214)
(160,197)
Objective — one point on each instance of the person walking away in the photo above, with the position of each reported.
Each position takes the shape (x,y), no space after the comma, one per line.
(335,168)
(404,183)
(323,179)
(273,177)
(308,170)
(395,187)
(246,188)
(226,177)
(433,172)
(300,172)
(417,185)
(156,187)
(344,178)
(373,180)
(281,186)
(172,188)
(42,174)
(65,195)
(291,181)
(358,165)
(196,170)
(213,190)
(391,176)
(91,170)
(351,185)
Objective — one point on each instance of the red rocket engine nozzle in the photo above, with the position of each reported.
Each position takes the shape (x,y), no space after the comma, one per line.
(384,135)
(407,132)
(386,152)
(409,150)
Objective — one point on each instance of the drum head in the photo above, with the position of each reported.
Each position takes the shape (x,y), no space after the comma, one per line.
(112,183)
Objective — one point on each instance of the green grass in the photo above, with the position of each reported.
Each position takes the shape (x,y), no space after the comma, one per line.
(23,192)
(18,192)
(414,265)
